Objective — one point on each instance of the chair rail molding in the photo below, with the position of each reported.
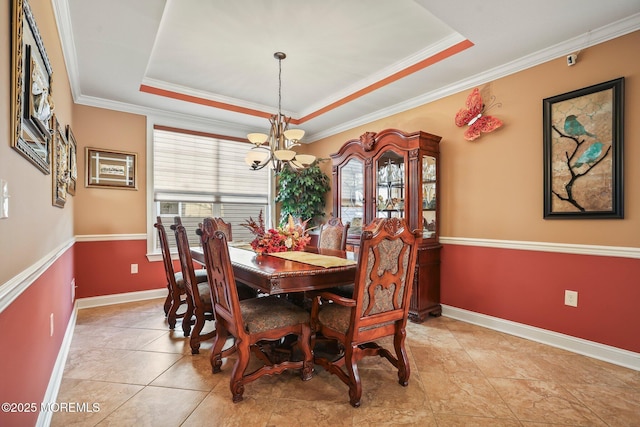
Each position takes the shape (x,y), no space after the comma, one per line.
(567,248)
(15,286)
(110,237)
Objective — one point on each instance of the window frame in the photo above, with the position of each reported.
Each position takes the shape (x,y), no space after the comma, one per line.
(154,254)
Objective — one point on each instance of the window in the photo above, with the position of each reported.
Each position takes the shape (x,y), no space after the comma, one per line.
(197,176)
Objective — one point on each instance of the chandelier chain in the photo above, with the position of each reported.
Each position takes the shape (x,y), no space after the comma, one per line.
(279,86)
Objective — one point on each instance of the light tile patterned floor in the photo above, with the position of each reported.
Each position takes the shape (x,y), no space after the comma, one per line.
(124,358)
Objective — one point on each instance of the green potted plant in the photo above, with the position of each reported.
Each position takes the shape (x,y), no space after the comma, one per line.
(301,193)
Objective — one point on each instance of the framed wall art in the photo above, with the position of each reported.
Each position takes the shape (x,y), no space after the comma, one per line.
(31,102)
(583,152)
(111,169)
(60,162)
(73,162)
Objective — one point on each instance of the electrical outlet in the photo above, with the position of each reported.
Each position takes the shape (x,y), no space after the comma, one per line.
(134,268)
(51,325)
(571,298)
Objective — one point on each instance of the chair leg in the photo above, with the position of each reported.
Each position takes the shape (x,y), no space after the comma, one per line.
(236,384)
(167,302)
(355,385)
(186,319)
(403,361)
(195,333)
(304,341)
(172,315)
(218,344)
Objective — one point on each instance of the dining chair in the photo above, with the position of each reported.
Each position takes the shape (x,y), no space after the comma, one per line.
(379,307)
(253,323)
(333,234)
(199,300)
(177,294)
(244,291)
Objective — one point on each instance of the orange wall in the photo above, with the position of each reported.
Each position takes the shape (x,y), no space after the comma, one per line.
(35,227)
(110,211)
(492,188)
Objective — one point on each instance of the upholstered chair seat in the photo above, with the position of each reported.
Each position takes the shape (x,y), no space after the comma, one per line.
(267,313)
(200,274)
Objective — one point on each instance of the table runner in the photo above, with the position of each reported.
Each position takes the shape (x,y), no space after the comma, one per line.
(318,260)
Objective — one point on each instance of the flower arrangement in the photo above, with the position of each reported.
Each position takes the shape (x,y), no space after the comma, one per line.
(290,237)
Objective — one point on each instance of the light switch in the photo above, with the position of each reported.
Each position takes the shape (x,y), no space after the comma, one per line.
(4,199)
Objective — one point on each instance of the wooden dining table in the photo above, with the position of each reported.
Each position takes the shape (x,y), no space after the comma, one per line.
(270,274)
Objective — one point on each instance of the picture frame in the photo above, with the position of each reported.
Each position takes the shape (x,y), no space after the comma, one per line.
(31,83)
(111,169)
(60,164)
(583,152)
(72,162)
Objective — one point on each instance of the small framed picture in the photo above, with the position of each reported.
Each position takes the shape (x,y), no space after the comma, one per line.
(111,169)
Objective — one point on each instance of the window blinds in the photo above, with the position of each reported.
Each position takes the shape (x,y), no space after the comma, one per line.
(195,168)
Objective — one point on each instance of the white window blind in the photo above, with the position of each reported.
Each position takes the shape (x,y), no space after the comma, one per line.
(198,176)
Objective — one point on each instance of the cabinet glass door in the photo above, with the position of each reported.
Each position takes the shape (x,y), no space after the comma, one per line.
(352,194)
(429,202)
(390,186)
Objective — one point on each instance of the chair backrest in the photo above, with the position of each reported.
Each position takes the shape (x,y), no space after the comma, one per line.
(384,278)
(333,235)
(225,227)
(166,253)
(298,222)
(224,293)
(186,262)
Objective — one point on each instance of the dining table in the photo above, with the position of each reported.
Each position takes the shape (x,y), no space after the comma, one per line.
(289,272)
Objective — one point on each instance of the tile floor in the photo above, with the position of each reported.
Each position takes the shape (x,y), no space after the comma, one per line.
(124,358)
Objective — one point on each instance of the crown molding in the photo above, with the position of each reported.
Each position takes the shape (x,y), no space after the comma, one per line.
(608,32)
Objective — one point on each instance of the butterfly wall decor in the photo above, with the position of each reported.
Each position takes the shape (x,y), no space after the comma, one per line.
(474,117)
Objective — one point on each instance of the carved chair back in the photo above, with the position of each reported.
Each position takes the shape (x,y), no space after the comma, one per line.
(333,234)
(383,280)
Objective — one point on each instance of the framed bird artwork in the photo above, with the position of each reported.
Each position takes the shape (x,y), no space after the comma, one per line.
(473,116)
(583,143)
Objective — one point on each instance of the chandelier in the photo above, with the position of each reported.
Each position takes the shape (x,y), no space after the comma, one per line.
(278,152)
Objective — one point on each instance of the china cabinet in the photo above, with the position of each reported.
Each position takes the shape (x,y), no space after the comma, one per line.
(394,174)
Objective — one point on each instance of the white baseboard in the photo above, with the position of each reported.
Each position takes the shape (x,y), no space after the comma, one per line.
(51,394)
(121,298)
(610,354)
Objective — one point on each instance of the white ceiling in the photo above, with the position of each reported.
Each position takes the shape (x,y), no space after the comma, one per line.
(220,52)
